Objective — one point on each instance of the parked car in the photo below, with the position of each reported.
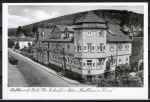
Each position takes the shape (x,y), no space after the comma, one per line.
(13,61)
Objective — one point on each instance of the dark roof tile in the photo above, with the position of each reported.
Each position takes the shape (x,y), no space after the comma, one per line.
(90,17)
(118,36)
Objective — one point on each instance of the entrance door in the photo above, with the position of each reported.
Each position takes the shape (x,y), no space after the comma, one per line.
(89,78)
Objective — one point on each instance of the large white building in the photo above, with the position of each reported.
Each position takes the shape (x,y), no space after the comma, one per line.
(23,41)
(87,48)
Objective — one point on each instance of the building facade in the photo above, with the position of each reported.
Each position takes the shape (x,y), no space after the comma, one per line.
(23,41)
(87,48)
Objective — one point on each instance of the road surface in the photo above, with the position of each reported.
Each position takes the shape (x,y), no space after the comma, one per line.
(30,75)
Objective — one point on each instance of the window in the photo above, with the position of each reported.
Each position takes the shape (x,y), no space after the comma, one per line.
(80,63)
(111,47)
(89,33)
(102,33)
(119,60)
(78,33)
(89,64)
(93,47)
(113,61)
(120,46)
(75,47)
(84,47)
(126,59)
(89,47)
(78,48)
(67,34)
(84,64)
(101,47)
(56,45)
(68,47)
(127,47)
(49,55)
(100,62)
(46,45)
(93,64)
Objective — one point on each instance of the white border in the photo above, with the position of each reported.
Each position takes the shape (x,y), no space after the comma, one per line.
(118,93)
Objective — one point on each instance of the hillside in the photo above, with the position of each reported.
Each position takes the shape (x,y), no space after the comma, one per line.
(115,17)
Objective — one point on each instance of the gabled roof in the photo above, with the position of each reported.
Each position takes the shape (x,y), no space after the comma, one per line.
(46,33)
(90,17)
(118,36)
(70,28)
(61,27)
(23,38)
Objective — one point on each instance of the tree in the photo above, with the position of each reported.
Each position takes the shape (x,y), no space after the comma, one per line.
(30,48)
(10,43)
(17,46)
(25,32)
(35,28)
(19,30)
(125,19)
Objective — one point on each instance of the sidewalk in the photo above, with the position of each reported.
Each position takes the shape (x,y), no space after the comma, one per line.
(47,69)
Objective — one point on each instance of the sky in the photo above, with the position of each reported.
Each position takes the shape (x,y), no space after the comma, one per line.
(20,15)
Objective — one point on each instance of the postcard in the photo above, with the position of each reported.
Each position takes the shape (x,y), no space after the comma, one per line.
(75,51)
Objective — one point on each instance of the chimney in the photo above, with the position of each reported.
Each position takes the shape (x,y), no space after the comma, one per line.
(107,24)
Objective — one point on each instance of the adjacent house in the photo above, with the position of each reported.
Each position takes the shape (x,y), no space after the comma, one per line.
(23,41)
(42,34)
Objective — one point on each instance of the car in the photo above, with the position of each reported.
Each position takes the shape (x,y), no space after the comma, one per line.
(13,61)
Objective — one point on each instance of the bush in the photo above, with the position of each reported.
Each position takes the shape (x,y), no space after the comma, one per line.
(17,46)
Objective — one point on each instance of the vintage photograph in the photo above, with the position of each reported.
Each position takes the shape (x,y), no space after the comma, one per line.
(75,46)
(74,50)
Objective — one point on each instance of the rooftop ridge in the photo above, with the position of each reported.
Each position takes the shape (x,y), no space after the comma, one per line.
(90,17)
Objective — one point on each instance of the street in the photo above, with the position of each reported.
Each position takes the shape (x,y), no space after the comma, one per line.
(31,75)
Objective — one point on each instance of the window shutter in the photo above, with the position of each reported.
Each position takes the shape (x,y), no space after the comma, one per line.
(104,33)
(104,47)
(80,49)
(93,48)
(110,47)
(84,62)
(98,48)
(85,47)
(75,47)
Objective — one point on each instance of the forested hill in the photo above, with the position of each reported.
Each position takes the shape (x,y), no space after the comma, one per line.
(116,17)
